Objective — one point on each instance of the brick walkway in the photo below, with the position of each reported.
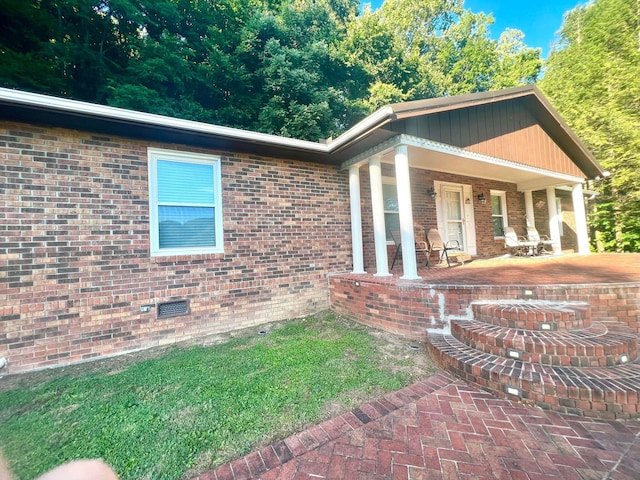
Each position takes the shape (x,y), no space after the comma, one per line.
(442,428)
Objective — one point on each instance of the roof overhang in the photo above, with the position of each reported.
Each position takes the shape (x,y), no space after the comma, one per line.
(542,110)
(366,135)
(438,157)
(41,109)
(47,110)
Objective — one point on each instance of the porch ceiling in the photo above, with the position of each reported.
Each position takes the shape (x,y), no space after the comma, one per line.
(429,155)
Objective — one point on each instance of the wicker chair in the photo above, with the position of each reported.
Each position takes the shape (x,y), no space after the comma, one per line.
(420,242)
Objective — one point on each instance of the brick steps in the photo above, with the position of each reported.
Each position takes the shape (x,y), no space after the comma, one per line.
(577,366)
(607,392)
(533,315)
(599,345)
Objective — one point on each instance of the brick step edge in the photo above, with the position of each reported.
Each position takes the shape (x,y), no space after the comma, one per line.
(277,454)
(532,314)
(603,392)
(599,345)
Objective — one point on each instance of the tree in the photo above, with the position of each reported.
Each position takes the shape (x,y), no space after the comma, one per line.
(592,78)
(412,49)
(300,86)
(516,63)
(300,68)
(26,29)
(63,47)
(182,59)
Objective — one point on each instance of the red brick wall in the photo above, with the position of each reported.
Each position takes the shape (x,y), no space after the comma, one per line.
(76,267)
(410,308)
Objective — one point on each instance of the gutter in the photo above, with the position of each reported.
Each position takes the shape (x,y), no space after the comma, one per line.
(376,119)
(76,107)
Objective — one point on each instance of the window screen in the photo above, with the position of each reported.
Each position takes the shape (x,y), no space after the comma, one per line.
(185,203)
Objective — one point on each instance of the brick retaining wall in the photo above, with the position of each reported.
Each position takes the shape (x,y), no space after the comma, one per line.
(410,308)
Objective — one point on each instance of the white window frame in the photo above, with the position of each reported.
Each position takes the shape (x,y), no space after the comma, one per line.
(155,154)
(560,216)
(503,205)
(391,181)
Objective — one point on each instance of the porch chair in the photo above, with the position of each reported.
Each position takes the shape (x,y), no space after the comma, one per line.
(436,244)
(420,242)
(542,240)
(520,246)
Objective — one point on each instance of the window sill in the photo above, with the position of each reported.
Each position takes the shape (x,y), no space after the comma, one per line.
(186,252)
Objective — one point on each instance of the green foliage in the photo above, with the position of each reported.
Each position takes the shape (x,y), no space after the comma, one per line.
(592,78)
(195,408)
(300,68)
(298,82)
(412,49)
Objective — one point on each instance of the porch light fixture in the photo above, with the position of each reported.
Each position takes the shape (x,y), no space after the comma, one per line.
(431,192)
(481,199)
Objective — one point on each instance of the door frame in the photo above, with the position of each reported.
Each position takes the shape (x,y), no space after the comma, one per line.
(468,217)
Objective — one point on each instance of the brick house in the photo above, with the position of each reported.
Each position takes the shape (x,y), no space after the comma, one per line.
(124,230)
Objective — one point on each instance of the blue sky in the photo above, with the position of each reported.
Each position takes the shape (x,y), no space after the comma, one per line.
(538,19)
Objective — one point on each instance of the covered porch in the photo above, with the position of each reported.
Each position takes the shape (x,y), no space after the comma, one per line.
(469,166)
(408,182)
(560,330)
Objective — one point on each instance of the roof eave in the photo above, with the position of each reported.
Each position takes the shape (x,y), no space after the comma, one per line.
(550,119)
(83,115)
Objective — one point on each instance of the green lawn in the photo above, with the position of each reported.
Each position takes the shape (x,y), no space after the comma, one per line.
(198,407)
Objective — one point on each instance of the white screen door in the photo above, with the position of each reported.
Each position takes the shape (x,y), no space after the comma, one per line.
(453,209)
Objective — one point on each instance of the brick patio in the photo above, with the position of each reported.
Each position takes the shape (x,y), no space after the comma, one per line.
(442,428)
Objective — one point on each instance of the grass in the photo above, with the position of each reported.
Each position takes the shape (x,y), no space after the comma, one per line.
(197,407)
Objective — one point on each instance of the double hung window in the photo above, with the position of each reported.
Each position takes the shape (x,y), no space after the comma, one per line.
(185,203)
(391,213)
(499,212)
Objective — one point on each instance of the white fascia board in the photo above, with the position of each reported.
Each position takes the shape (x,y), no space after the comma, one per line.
(121,114)
(362,127)
(411,141)
(378,150)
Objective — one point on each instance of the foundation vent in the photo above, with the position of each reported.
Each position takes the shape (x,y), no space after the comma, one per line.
(173,309)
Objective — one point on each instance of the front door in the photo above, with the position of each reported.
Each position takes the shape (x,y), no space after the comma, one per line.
(453,213)
(455,216)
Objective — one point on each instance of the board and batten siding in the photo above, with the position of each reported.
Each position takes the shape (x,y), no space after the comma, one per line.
(505,130)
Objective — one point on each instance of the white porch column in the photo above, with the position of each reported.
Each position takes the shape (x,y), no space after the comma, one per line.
(379,229)
(554,226)
(405,213)
(581,218)
(356,220)
(528,207)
